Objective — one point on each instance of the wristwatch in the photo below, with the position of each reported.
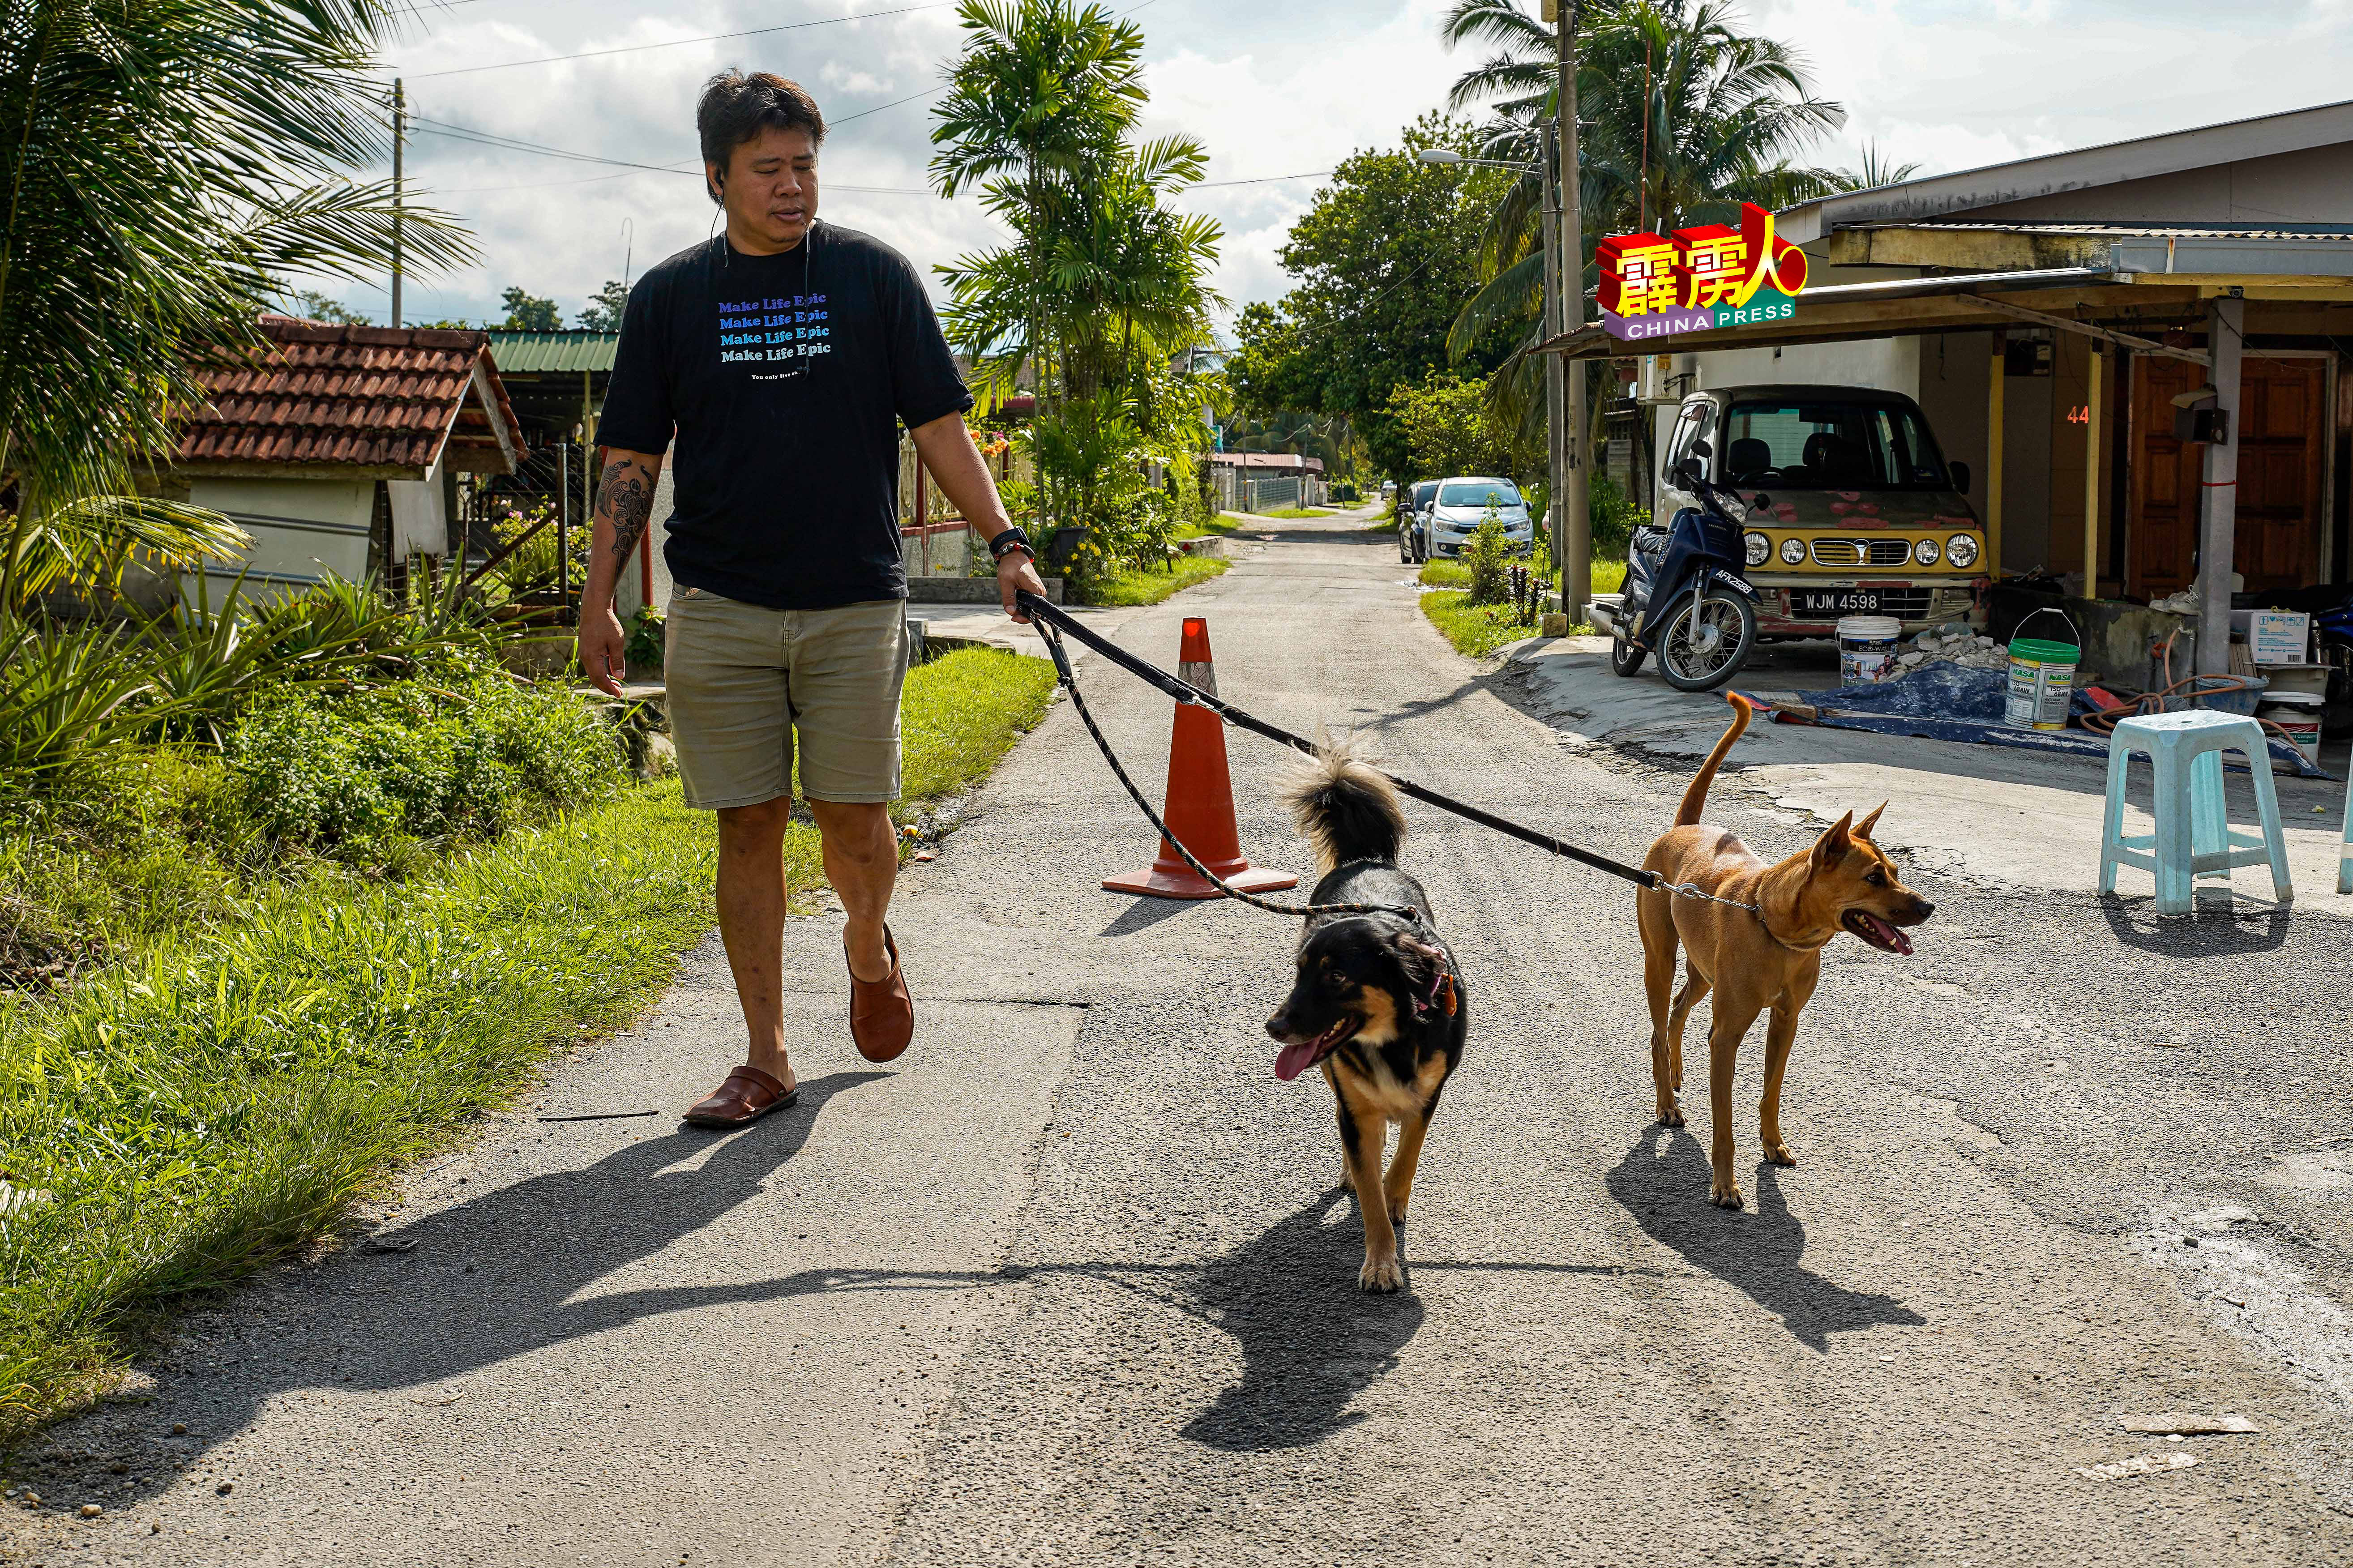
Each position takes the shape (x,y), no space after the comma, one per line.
(1011,539)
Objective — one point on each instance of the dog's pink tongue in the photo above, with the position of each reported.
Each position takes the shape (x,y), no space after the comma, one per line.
(1903,943)
(1295,1059)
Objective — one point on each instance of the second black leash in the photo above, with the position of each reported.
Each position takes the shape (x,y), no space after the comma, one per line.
(1069,678)
(1051,615)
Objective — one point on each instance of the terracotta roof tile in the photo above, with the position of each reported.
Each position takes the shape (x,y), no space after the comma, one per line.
(357,397)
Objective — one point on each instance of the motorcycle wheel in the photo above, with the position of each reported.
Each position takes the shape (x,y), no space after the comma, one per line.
(1705,646)
(1625,659)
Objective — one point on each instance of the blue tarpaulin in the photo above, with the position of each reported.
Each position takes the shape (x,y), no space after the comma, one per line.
(1952,702)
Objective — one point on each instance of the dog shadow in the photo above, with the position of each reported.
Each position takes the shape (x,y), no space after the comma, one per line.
(1666,1192)
(1311,1340)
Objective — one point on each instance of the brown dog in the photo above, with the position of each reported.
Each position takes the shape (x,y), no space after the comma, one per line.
(1767,954)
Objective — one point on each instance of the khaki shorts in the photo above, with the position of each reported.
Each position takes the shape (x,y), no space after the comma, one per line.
(742,679)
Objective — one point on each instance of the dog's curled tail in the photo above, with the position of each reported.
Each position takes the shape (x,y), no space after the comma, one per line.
(1347,807)
(1696,797)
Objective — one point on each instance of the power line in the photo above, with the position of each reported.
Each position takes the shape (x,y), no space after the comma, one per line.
(675,43)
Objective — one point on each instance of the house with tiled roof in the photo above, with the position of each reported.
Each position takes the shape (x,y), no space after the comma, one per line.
(338,448)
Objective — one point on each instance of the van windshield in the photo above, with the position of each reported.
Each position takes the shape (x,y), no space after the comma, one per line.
(1821,444)
(1477,493)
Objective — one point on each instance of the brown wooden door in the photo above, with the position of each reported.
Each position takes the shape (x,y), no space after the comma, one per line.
(2164,488)
(2277,543)
(2280,449)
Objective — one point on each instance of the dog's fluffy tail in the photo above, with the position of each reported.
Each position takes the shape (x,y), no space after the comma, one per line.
(1344,806)
(1696,797)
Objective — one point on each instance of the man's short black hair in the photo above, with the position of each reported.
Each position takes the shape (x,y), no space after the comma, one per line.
(737,107)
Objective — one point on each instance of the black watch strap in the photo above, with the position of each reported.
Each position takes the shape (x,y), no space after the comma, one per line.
(1011,539)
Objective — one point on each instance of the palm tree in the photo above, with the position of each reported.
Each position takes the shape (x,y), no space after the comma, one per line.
(1683,118)
(1877,170)
(1042,94)
(166,168)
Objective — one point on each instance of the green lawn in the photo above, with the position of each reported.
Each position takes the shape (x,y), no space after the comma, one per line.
(215,1096)
(1609,576)
(1149,587)
(1473,629)
(1225,522)
(1292,511)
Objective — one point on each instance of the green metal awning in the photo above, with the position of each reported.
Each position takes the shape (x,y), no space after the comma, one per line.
(527,353)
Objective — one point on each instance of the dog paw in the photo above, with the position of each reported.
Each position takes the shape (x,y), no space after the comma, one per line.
(1726,1195)
(1396,1214)
(1779,1154)
(1380,1276)
(1671,1116)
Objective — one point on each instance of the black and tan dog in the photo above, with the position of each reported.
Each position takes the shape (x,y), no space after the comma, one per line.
(1378,1002)
(1766,955)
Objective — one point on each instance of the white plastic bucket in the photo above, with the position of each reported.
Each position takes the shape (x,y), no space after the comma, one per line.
(2300,719)
(1867,645)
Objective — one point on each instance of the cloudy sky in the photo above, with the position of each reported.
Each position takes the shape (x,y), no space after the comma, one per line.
(1272,88)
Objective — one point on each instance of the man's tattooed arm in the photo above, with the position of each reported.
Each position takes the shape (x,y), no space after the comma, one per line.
(626,496)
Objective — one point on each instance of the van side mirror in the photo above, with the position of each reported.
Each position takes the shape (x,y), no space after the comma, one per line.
(1702,449)
(1961,472)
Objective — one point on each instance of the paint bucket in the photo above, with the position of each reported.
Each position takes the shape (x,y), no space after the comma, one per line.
(2041,678)
(2299,713)
(1867,647)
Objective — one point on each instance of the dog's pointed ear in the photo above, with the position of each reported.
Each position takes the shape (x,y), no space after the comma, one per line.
(1863,829)
(1835,843)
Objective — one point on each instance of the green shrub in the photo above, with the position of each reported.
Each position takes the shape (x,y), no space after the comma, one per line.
(1489,558)
(1613,515)
(356,778)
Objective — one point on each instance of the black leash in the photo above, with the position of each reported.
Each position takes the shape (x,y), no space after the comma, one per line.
(1053,641)
(1051,620)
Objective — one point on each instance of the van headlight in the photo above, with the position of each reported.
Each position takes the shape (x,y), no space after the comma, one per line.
(1961,550)
(1925,552)
(1760,549)
(1793,550)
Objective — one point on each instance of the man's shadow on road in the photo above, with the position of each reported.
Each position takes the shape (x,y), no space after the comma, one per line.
(532,1247)
(1666,1192)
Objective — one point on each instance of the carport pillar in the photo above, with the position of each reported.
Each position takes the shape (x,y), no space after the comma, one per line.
(1997,375)
(2092,471)
(2218,526)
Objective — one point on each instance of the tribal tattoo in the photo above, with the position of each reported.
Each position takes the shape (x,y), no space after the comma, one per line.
(628,498)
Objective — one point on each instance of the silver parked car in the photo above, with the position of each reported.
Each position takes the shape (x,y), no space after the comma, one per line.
(1461,505)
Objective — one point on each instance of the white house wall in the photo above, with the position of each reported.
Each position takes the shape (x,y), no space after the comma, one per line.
(303,530)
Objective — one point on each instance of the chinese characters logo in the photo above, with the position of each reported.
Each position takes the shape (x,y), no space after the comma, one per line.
(1711,276)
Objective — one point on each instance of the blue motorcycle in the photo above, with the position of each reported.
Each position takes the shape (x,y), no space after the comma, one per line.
(1685,598)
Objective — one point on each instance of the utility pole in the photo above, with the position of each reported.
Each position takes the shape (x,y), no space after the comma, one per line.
(1576,556)
(1555,370)
(399,136)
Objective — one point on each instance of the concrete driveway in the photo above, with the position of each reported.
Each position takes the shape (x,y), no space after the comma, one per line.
(1072,1283)
(1999,816)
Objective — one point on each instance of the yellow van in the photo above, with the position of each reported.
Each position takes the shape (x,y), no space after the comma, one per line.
(1851,508)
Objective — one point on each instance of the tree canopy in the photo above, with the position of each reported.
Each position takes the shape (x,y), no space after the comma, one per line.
(603,313)
(1384,260)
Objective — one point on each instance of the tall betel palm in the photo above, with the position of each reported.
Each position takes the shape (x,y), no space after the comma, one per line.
(1107,285)
(170,166)
(1042,93)
(1682,118)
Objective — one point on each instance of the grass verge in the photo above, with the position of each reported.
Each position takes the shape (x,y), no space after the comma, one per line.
(1609,576)
(1151,587)
(1225,522)
(1473,629)
(215,1101)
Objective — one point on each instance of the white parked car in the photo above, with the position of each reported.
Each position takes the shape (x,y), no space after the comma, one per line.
(1461,505)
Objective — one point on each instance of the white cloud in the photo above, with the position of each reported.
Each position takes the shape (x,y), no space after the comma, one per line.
(1269,89)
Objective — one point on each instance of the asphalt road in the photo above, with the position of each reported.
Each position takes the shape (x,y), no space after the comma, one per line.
(1075,1282)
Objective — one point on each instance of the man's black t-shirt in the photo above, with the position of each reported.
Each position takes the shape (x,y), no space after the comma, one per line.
(785,377)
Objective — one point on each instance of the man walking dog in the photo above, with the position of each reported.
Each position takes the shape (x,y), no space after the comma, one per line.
(785,353)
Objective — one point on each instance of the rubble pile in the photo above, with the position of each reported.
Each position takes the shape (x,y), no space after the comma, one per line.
(1953,644)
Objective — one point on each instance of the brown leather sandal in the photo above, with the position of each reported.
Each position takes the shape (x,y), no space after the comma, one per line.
(746,1096)
(882,1012)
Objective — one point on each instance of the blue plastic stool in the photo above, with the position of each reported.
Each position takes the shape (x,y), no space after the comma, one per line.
(2345,847)
(2193,837)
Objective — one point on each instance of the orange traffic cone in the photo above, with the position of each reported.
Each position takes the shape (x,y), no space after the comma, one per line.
(1199,808)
